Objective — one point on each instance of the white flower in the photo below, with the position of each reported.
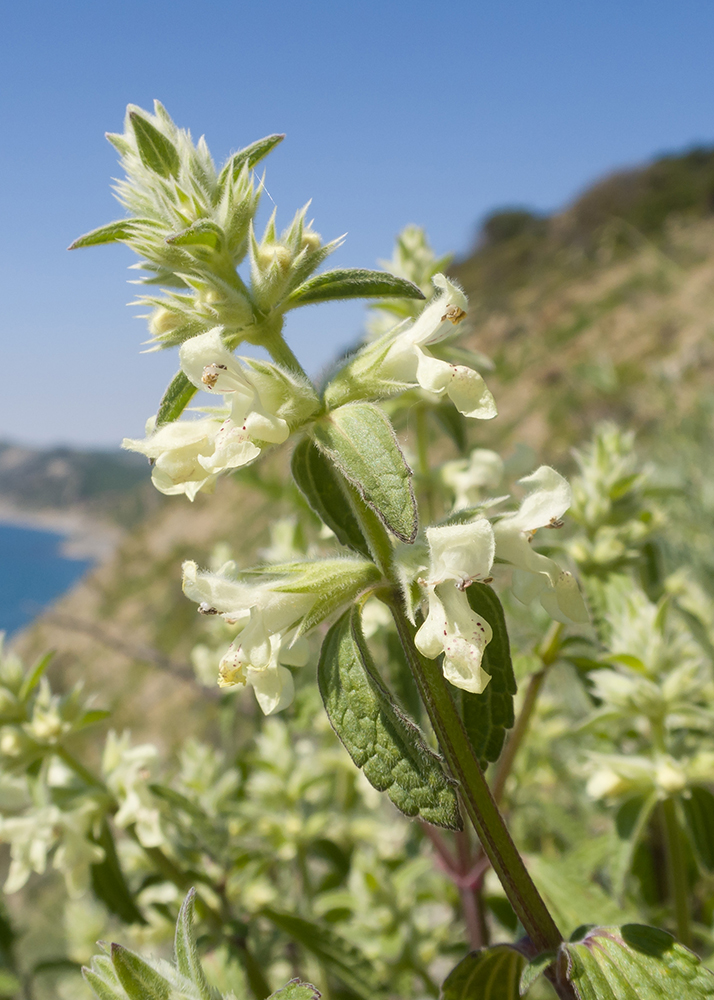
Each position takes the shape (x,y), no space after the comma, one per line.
(259,400)
(483,469)
(410,361)
(452,627)
(534,574)
(269,617)
(460,554)
(31,838)
(128,772)
(33,835)
(76,853)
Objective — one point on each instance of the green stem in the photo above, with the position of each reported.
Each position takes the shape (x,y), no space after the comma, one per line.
(677,869)
(513,744)
(548,652)
(79,769)
(282,355)
(480,805)
(422,438)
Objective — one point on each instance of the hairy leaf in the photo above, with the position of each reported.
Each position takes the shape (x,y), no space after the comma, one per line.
(634,962)
(156,151)
(113,232)
(109,884)
(335,581)
(535,969)
(319,482)
(488,974)
(202,233)
(352,283)
(187,961)
(379,738)
(699,814)
(250,155)
(139,980)
(489,715)
(104,989)
(174,401)
(361,442)
(343,959)
(295,990)
(35,676)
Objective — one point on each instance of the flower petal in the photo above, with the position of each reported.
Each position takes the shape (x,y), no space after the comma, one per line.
(461,552)
(274,688)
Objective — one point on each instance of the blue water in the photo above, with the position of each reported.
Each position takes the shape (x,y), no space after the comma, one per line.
(33,573)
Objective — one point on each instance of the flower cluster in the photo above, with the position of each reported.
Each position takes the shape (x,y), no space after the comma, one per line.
(273,610)
(461,553)
(262,404)
(407,357)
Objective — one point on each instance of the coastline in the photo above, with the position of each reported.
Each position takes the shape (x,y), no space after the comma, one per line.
(83,537)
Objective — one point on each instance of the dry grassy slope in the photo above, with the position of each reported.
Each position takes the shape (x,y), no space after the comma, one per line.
(621,328)
(604,310)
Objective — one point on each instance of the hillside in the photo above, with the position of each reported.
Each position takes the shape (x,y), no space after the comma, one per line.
(112,485)
(603,310)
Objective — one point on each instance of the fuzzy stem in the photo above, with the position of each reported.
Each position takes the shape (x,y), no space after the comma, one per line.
(283,355)
(483,811)
(677,870)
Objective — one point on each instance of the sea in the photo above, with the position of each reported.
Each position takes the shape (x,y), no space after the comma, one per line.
(34,572)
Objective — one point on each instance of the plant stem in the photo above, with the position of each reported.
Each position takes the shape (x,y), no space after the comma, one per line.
(283,355)
(422,438)
(480,805)
(79,769)
(677,869)
(517,735)
(470,895)
(548,653)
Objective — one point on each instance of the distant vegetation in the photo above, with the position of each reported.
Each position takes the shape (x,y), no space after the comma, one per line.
(515,245)
(60,478)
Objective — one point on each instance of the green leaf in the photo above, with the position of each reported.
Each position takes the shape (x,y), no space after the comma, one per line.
(178,395)
(341,957)
(488,716)
(352,283)
(33,678)
(113,232)
(139,980)
(488,974)
(699,813)
(295,990)
(379,738)
(90,718)
(156,151)
(361,442)
(109,884)
(250,155)
(104,989)
(202,233)
(319,482)
(10,985)
(535,969)
(634,962)
(187,961)
(335,581)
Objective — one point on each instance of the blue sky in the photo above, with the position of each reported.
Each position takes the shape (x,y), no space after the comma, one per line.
(395,112)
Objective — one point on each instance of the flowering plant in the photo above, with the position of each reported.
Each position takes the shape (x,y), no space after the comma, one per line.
(398,598)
